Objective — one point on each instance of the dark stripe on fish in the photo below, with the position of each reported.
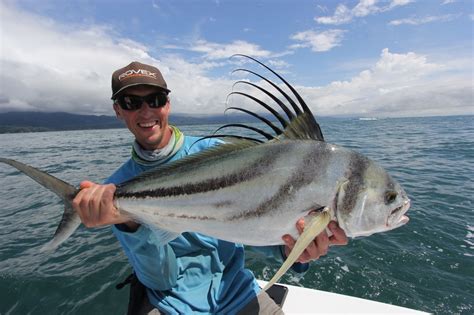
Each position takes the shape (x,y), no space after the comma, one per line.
(301,177)
(357,167)
(184,216)
(258,167)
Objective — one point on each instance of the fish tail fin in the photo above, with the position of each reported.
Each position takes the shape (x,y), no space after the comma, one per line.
(316,225)
(70,220)
(68,225)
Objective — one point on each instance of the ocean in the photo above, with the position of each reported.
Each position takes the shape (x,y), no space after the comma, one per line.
(427,264)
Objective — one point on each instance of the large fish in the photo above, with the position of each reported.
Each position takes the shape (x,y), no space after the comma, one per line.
(253,193)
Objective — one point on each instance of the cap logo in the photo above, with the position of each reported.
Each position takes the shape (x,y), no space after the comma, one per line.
(137,73)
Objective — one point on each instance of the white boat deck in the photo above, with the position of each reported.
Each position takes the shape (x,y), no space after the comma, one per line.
(308,301)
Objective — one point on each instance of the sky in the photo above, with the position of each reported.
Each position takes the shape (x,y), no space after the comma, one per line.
(387,58)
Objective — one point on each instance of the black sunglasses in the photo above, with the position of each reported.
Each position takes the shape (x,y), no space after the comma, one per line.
(134,102)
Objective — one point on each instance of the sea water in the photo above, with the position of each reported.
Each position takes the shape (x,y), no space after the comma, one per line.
(427,264)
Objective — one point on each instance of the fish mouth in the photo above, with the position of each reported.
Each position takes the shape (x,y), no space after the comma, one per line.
(400,213)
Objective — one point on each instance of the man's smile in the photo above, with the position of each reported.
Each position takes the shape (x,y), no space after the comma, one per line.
(148,124)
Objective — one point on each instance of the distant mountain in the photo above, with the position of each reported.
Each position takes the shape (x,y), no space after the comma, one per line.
(37,121)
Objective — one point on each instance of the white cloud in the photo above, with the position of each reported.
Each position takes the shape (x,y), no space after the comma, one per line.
(318,41)
(215,51)
(364,8)
(397,3)
(423,20)
(155,4)
(343,14)
(48,66)
(396,85)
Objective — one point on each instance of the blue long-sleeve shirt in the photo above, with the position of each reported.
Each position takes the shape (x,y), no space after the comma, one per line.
(192,273)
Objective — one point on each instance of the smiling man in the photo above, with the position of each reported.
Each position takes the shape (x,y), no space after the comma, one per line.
(193,273)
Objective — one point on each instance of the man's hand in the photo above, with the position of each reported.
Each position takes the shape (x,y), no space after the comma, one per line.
(95,206)
(319,247)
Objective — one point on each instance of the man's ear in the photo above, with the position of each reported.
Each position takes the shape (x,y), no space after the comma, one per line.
(117,111)
(168,105)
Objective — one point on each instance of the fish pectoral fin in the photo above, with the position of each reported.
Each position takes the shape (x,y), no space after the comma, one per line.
(69,223)
(316,225)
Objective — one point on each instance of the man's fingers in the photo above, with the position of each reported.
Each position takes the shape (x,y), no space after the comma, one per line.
(289,241)
(86,184)
(300,225)
(322,241)
(320,245)
(107,202)
(338,235)
(94,204)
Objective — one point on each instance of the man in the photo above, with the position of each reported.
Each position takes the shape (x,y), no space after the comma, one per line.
(192,273)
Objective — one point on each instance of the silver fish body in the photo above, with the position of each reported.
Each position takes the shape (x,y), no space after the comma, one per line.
(254,195)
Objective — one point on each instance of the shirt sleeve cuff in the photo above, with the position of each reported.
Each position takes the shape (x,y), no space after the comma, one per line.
(143,236)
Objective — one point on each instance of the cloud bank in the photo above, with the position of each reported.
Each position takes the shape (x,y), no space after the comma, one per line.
(49,66)
(397,85)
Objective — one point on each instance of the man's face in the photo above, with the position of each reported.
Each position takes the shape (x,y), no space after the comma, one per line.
(148,125)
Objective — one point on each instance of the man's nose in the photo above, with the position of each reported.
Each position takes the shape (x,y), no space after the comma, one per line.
(145,107)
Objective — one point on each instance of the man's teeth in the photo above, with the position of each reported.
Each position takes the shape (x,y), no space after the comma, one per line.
(147,124)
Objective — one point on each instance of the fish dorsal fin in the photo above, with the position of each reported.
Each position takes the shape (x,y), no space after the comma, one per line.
(191,161)
(301,127)
(300,122)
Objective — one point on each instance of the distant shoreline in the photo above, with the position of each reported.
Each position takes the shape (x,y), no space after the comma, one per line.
(23,122)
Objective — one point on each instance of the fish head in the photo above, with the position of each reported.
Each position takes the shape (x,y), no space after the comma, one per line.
(369,200)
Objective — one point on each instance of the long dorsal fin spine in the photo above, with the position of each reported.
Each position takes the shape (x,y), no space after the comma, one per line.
(282,121)
(260,131)
(288,98)
(287,111)
(277,130)
(310,121)
(298,97)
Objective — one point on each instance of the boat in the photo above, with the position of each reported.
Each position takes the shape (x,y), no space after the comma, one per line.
(299,300)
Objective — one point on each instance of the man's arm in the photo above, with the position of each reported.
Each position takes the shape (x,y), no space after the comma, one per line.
(152,258)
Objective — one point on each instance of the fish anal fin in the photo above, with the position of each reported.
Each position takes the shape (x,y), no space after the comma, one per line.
(316,225)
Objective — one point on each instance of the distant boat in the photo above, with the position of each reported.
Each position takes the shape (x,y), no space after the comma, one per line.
(367,118)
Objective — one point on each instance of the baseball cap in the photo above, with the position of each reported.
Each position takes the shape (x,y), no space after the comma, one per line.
(136,73)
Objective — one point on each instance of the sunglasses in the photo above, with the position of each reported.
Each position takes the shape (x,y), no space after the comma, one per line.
(134,102)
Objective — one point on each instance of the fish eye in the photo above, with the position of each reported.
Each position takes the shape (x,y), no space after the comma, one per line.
(390,197)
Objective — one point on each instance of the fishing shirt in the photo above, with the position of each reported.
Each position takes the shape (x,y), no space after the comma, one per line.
(192,273)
